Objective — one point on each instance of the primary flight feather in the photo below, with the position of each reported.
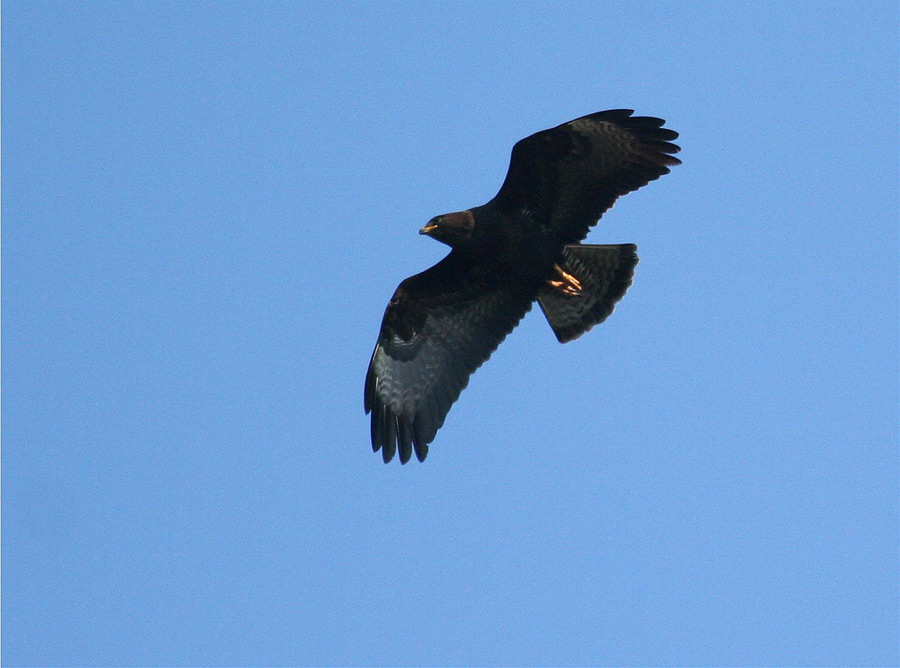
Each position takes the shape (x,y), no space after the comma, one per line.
(523,245)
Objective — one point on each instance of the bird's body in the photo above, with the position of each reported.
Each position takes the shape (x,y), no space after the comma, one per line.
(522,246)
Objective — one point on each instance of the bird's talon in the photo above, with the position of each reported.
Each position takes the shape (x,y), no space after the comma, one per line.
(569,285)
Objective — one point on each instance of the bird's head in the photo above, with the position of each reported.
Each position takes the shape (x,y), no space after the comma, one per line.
(452,229)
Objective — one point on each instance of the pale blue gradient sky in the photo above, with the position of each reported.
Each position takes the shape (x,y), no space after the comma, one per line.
(206,207)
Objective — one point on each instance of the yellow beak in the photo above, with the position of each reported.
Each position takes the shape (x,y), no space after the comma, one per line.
(428,229)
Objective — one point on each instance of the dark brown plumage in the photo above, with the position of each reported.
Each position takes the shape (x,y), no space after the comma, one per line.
(522,246)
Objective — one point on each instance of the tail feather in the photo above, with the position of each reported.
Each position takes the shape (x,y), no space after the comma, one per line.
(603,273)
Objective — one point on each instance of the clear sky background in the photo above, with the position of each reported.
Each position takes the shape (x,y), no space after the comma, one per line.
(206,207)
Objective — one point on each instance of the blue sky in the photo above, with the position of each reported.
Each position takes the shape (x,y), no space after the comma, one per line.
(206,207)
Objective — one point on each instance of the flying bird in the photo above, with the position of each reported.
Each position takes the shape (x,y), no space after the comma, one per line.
(523,245)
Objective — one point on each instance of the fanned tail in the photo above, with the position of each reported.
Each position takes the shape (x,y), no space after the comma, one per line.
(591,279)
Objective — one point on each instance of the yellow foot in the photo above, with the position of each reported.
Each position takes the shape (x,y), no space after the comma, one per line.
(568,284)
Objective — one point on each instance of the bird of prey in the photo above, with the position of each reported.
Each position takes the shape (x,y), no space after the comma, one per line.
(523,245)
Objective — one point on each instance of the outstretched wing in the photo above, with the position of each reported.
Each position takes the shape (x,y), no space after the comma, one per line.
(439,327)
(566,177)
